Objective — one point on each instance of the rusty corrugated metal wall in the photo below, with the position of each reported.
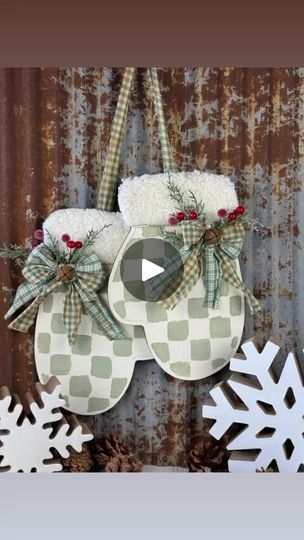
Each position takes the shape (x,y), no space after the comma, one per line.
(247,123)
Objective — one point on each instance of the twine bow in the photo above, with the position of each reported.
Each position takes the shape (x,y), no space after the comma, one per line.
(210,253)
(82,281)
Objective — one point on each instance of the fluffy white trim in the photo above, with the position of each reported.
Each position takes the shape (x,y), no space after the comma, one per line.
(77,223)
(145,200)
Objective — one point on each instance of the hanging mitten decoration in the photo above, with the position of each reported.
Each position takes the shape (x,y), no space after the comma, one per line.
(189,339)
(95,371)
(209,249)
(82,275)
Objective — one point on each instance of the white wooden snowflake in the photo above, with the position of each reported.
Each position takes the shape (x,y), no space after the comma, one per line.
(270,411)
(26,440)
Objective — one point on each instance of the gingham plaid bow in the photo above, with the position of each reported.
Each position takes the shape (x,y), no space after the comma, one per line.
(44,274)
(212,261)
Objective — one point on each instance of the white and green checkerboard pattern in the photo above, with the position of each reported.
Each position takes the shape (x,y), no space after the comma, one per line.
(189,342)
(96,372)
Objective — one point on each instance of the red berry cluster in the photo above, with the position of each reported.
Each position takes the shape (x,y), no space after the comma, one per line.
(38,237)
(181,216)
(71,244)
(238,211)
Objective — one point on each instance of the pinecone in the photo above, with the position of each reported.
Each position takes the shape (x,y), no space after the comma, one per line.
(208,455)
(78,461)
(113,455)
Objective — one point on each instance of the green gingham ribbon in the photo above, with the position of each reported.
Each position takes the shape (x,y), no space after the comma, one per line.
(211,261)
(168,161)
(42,273)
(107,190)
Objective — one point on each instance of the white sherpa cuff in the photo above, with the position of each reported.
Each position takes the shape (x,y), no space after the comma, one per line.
(77,223)
(145,200)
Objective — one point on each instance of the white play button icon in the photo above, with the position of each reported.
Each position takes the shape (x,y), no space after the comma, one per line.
(150,270)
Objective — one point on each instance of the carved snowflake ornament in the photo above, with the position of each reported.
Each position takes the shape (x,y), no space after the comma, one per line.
(269,409)
(26,440)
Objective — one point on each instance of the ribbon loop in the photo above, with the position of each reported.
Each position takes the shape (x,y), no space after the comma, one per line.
(82,280)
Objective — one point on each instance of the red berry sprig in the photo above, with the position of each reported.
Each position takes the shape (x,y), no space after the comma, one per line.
(233,215)
(65,238)
(71,244)
(222,213)
(38,234)
(192,215)
(240,210)
(181,216)
(172,220)
(38,238)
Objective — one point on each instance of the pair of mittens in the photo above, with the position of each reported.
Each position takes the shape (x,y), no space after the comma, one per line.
(189,341)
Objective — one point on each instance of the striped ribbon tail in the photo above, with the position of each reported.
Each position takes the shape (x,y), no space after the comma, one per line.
(167,282)
(211,277)
(26,319)
(72,313)
(192,273)
(25,293)
(101,316)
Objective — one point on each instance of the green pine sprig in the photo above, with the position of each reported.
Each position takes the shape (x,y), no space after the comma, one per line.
(17,254)
(254,225)
(55,248)
(92,235)
(88,242)
(177,197)
(197,206)
(175,194)
(174,238)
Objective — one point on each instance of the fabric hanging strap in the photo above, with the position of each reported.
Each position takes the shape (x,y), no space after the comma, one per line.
(168,161)
(107,190)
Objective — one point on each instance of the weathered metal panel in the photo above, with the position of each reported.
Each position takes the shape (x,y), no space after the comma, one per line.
(248,123)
